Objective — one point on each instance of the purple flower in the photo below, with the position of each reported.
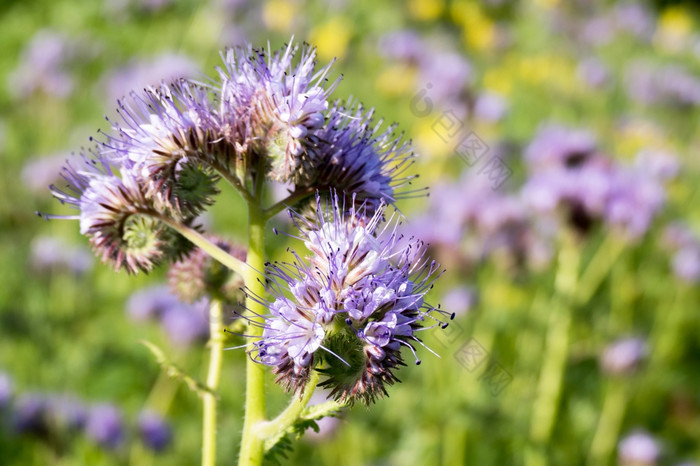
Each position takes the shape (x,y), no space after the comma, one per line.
(140,74)
(29,414)
(634,18)
(104,425)
(686,264)
(634,200)
(351,309)
(6,389)
(685,252)
(623,356)
(273,105)
(490,107)
(40,172)
(459,300)
(650,83)
(66,412)
(48,253)
(43,66)
(150,303)
(404,45)
(555,146)
(638,449)
(355,156)
(593,72)
(186,323)
(155,432)
(449,74)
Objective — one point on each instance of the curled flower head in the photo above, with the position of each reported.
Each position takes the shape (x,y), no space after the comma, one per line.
(350,309)
(274,103)
(170,135)
(355,156)
(117,215)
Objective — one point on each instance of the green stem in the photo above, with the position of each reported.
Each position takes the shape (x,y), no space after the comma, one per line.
(216,347)
(598,268)
(291,414)
(289,201)
(609,423)
(557,343)
(207,246)
(252,443)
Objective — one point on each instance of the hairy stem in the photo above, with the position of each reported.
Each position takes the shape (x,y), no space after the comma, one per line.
(252,443)
(291,414)
(207,246)
(216,346)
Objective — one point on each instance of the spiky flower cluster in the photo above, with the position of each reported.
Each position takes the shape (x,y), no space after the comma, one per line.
(351,308)
(267,115)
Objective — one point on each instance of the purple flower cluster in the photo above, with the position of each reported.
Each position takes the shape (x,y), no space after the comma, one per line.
(48,253)
(44,415)
(44,65)
(184,323)
(267,115)
(649,83)
(570,176)
(476,222)
(447,76)
(351,308)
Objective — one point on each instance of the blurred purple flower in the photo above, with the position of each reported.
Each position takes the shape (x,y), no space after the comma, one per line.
(150,303)
(593,72)
(51,253)
(598,30)
(141,73)
(490,107)
(659,164)
(634,201)
(40,172)
(623,356)
(634,18)
(6,389)
(459,300)
(66,411)
(450,75)
(104,425)
(155,432)
(555,146)
(638,449)
(649,83)
(43,66)
(29,413)
(404,45)
(186,324)
(686,264)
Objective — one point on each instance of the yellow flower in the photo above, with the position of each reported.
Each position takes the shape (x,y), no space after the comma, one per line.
(331,38)
(396,80)
(478,30)
(674,29)
(426,10)
(278,15)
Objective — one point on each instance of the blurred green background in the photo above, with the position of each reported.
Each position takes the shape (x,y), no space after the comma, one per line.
(627,73)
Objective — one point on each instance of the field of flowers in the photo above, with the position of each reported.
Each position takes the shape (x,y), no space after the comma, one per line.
(557,142)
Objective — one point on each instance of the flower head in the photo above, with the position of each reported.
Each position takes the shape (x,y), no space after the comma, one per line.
(356,156)
(351,308)
(274,103)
